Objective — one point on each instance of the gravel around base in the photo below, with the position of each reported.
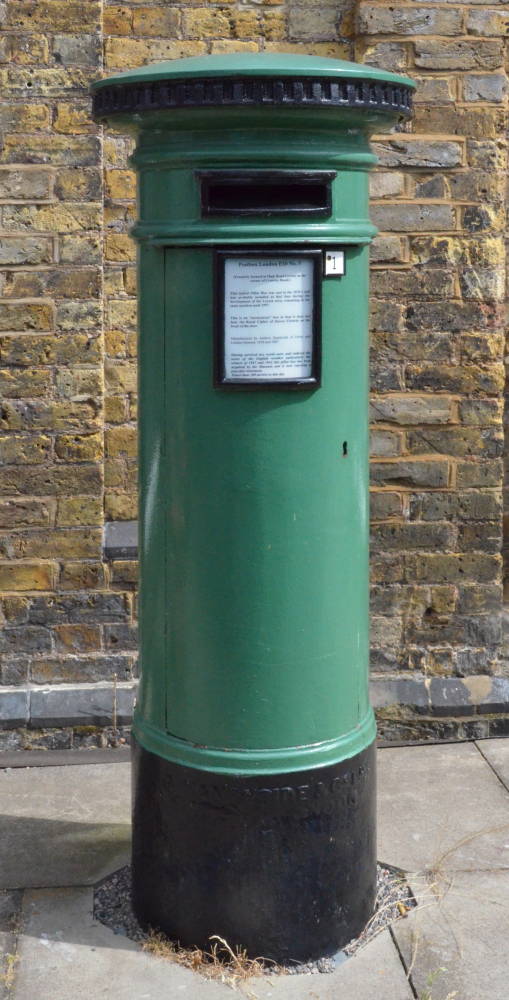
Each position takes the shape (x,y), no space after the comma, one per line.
(112,907)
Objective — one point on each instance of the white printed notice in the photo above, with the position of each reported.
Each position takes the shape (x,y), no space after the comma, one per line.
(268,318)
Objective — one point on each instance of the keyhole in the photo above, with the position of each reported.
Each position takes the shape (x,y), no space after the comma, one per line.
(345,449)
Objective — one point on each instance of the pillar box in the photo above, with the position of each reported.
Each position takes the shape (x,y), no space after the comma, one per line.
(253,735)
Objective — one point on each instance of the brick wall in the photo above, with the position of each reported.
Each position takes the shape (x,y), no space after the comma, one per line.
(68,352)
(438,369)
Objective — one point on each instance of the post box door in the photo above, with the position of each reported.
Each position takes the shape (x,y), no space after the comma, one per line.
(266,559)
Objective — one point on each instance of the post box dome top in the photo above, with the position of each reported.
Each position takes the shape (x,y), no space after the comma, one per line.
(250,80)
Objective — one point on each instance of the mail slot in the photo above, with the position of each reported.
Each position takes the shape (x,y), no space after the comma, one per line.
(267,192)
(253,785)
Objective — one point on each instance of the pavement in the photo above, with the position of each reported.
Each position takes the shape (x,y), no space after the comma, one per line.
(443,819)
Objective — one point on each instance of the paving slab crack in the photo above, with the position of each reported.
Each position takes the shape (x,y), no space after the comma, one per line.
(491,765)
(11,927)
(406,970)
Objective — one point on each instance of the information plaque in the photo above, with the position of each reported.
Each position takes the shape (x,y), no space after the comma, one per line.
(268,326)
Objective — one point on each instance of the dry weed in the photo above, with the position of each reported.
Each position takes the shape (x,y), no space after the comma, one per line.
(436,868)
(8,973)
(227,965)
(437,882)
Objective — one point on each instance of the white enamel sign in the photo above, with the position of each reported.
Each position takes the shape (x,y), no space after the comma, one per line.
(268,318)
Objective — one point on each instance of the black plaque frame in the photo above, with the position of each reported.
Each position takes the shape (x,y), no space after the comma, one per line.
(220,380)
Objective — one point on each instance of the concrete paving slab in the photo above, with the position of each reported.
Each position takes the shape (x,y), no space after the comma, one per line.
(10,909)
(441,807)
(63,825)
(496,753)
(375,971)
(65,953)
(459,942)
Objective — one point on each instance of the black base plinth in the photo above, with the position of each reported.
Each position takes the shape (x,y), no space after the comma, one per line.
(282,865)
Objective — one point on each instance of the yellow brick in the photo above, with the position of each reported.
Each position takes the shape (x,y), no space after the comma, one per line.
(69,543)
(232,45)
(27,576)
(180,50)
(79,447)
(114,475)
(122,314)
(118,216)
(331,50)
(47,82)
(120,184)
(117,151)
(121,441)
(132,343)
(274,25)
(124,571)
(54,149)
(23,349)
(74,184)
(122,53)
(24,449)
(114,409)
(459,251)
(130,283)
(73,119)
(82,576)
(77,638)
(117,21)
(245,24)
(24,117)
(75,511)
(21,513)
(6,43)
(29,49)
(69,218)
(78,283)
(206,22)
(120,376)
(115,343)
(487,22)
(15,607)
(131,476)
(23,284)
(56,218)
(347,24)
(16,383)
(75,383)
(119,246)
(156,21)
(77,416)
(57,15)
(79,346)
(26,316)
(113,282)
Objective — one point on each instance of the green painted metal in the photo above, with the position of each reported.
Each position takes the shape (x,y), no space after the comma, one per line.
(254,521)
(170,193)
(264,549)
(252,64)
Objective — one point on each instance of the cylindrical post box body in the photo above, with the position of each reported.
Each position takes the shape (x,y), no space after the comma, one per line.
(254,767)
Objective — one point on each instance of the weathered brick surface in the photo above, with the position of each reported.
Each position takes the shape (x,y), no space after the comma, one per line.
(438,360)
(68,338)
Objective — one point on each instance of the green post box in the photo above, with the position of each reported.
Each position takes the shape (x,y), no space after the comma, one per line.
(254,738)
